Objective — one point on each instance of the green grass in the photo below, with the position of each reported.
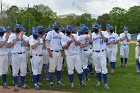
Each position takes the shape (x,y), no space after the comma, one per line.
(125,80)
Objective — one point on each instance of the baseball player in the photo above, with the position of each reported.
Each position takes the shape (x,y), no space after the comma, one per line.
(71,44)
(55,52)
(113,40)
(99,54)
(125,37)
(85,50)
(4,56)
(16,42)
(37,45)
(137,53)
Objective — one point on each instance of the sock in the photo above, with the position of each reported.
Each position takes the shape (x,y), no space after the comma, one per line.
(80,77)
(105,78)
(90,67)
(71,78)
(15,80)
(38,77)
(113,65)
(4,76)
(137,62)
(86,72)
(22,80)
(125,60)
(58,75)
(121,60)
(35,79)
(51,77)
(99,77)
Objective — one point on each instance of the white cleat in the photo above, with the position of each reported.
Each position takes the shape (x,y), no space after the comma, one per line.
(106,86)
(98,84)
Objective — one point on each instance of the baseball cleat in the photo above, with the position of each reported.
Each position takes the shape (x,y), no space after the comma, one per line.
(15,89)
(51,87)
(112,71)
(98,84)
(82,83)
(25,86)
(72,85)
(59,83)
(106,86)
(87,79)
(37,87)
(5,86)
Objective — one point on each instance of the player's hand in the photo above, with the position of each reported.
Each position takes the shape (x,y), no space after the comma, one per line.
(62,53)
(50,53)
(108,43)
(21,33)
(7,35)
(17,36)
(87,38)
(43,37)
(125,35)
(72,38)
(100,32)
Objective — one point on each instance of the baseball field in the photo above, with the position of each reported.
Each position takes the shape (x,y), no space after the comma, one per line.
(125,80)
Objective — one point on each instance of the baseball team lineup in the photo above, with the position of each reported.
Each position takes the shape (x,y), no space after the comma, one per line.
(81,47)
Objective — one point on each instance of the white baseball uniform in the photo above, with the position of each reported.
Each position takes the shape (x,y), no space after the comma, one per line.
(137,54)
(55,46)
(3,57)
(85,51)
(124,48)
(37,56)
(99,54)
(72,55)
(112,48)
(19,61)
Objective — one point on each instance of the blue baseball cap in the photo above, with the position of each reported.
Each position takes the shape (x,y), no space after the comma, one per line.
(125,28)
(17,26)
(40,28)
(69,27)
(85,29)
(97,26)
(23,29)
(80,32)
(2,29)
(56,24)
(110,28)
(8,28)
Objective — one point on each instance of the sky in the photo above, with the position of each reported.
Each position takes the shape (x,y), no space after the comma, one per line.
(94,7)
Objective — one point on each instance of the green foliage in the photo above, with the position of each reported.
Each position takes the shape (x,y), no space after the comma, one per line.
(43,15)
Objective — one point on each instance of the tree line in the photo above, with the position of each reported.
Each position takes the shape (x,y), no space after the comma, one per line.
(43,15)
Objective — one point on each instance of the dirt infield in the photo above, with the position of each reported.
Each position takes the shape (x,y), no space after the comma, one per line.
(132,41)
(10,90)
